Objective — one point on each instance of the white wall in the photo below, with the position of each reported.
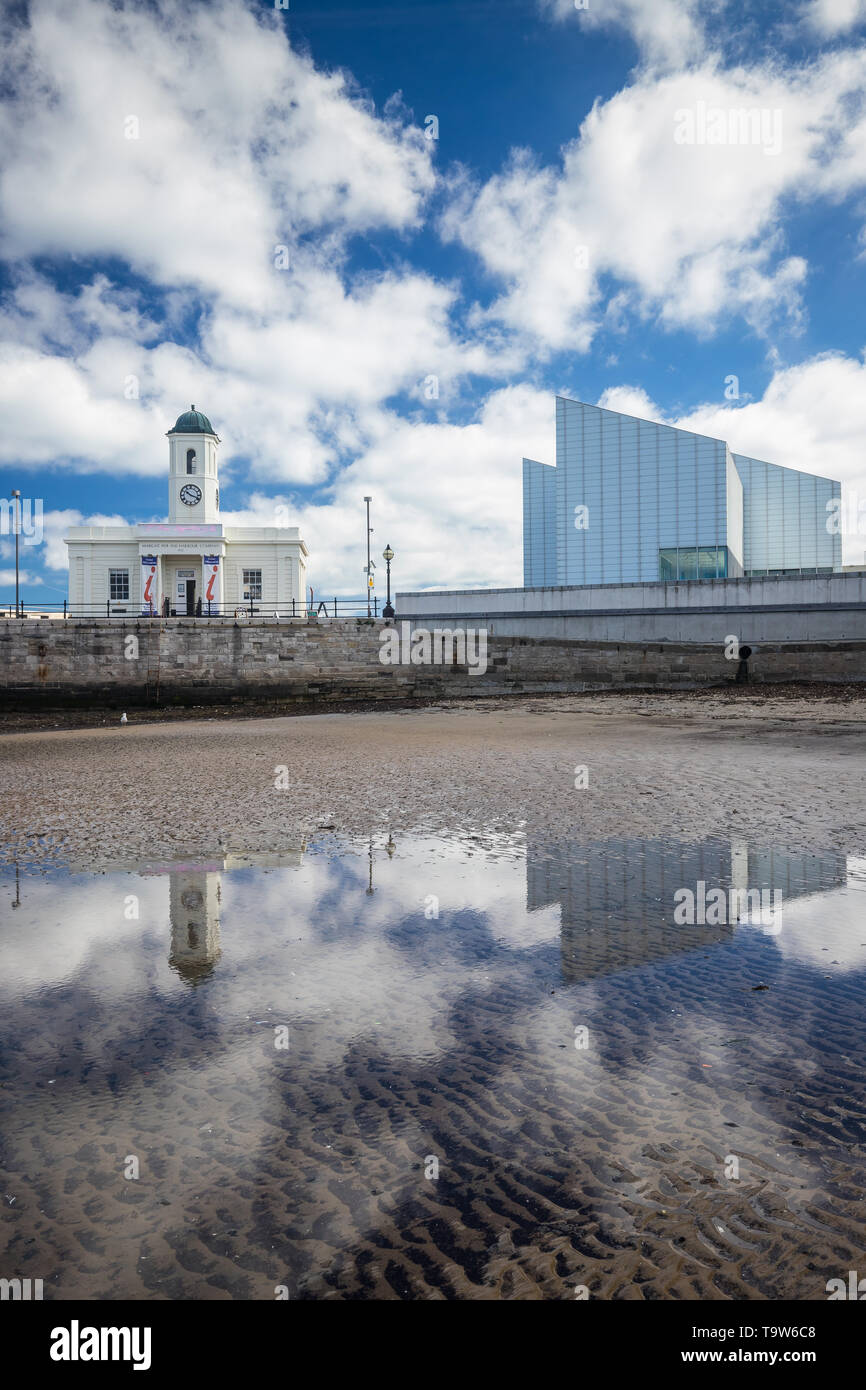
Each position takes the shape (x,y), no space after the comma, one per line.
(277,552)
(734,501)
(88,573)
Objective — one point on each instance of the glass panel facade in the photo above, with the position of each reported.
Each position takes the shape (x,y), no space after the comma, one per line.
(645,487)
(630,501)
(785,519)
(539,524)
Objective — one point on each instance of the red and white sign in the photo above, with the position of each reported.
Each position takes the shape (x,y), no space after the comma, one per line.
(211,580)
(149,598)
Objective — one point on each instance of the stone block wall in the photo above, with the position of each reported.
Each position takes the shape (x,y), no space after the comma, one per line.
(52,663)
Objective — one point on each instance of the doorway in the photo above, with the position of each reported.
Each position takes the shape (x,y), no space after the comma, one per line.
(185,592)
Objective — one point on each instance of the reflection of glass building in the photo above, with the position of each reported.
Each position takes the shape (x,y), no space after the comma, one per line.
(617,897)
(630,501)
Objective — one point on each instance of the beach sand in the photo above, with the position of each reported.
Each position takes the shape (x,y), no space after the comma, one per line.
(604,1170)
(776,768)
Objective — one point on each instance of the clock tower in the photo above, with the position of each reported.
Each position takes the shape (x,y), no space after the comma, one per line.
(193,469)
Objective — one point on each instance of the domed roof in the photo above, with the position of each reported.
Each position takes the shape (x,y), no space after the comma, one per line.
(192,422)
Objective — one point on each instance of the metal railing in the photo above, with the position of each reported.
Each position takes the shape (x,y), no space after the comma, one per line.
(125,609)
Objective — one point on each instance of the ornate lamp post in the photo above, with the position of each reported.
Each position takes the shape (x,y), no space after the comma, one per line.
(387,556)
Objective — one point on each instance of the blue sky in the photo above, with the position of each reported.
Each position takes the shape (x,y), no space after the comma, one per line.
(556,236)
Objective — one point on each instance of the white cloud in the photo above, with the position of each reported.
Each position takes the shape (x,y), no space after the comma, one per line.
(283,391)
(7,578)
(688,233)
(236,152)
(666,31)
(36,313)
(830,18)
(52,415)
(246,149)
(812,416)
(629,400)
(446,497)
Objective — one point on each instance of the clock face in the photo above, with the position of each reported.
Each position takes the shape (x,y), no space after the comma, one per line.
(190,494)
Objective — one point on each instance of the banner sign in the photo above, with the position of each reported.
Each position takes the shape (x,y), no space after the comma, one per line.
(149,600)
(170,528)
(211,579)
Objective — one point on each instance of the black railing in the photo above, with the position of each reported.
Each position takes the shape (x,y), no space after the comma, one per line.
(242,611)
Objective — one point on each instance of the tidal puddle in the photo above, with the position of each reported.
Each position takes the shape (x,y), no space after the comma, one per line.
(474,1068)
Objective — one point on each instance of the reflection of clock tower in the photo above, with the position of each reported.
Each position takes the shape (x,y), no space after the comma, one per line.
(193,478)
(194,906)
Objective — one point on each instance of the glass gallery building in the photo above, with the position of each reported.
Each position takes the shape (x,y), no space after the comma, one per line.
(630,501)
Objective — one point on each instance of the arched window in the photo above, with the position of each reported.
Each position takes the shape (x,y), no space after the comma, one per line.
(190,460)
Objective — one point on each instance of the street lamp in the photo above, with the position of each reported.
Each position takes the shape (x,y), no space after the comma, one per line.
(16,497)
(369,569)
(387,556)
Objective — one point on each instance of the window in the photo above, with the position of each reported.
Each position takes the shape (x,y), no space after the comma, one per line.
(118,584)
(691,562)
(252,583)
(190,460)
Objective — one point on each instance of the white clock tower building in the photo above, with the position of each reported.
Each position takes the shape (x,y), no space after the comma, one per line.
(193,482)
(191,566)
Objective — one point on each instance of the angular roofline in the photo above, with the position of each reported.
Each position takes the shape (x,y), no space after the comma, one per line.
(713,437)
(660,424)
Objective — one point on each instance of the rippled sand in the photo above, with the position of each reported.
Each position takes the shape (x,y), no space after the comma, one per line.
(447,1038)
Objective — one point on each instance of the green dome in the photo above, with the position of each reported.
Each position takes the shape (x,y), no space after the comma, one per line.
(192,422)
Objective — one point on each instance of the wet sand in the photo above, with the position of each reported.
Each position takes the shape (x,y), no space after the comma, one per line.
(605,1168)
(783,769)
(608,1173)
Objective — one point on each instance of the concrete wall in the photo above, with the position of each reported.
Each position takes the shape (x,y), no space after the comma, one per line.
(201,662)
(822,608)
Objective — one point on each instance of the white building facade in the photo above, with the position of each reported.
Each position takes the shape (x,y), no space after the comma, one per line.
(192,564)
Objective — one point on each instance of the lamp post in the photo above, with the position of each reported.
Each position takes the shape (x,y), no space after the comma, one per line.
(16,497)
(369,569)
(387,556)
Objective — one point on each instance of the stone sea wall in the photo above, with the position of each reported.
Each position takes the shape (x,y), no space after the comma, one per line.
(52,663)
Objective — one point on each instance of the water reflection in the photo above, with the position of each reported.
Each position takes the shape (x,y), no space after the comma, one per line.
(617,897)
(194,904)
(434,1016)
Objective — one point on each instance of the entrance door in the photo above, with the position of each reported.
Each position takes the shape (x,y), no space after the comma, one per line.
(184,590)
